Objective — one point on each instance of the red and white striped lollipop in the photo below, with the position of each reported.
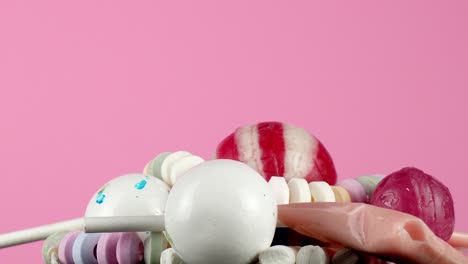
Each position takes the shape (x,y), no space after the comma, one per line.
(279,149)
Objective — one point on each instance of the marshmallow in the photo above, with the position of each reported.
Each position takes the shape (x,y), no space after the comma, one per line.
(312,255)
(321,192)
(169,161)
(355,190)
(153,167)
(129,248)
(51,246)
(341,194)
(299,191)
(155,244)
(278,255)
(65,251)
(107,247)
(280,189)
(83,248)
(182,165)
(170,256)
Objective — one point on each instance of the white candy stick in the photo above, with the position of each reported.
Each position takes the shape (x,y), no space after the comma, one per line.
(87,224)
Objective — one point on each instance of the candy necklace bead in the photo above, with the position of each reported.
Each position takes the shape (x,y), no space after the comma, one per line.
(321,191)
(130,248)
(84,248)
(50,247)
(107,247)
(169,161)
(355,190)
(280,189)
(153,167)
(66,247)
(341,194)
(299,191)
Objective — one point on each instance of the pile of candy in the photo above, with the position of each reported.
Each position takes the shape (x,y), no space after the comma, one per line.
(270,196)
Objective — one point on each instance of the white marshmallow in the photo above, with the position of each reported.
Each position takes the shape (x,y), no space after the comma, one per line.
(312,255)
(170,256)
(321,192)
(280,189)
(278,255)
(299,191)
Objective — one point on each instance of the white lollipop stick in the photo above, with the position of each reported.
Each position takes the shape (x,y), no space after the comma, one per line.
(86,224)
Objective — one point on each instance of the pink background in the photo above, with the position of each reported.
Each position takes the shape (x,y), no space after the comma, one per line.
(90,90)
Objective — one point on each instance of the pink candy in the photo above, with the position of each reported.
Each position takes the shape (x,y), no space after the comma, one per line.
(278,149)
(412,191)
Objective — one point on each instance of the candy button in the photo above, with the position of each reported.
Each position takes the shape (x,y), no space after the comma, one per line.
(84,248)
(169,161)
(312,254)
(355,190)
(280,189)
(321,191)
(155,244)
(299,191)
(51,246)
(106,248)
(278,255)
(341,194)
(130,248)
(369,183)
(170,256)
(153,167)
(182,165)
(65,251)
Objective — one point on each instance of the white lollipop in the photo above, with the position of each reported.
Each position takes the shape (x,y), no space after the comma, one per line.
(129,195)
(221,211)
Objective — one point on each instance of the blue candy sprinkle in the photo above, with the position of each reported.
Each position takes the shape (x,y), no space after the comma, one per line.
(140,185)
(100,198)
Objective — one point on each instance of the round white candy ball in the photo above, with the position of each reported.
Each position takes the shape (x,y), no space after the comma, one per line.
(221,211)
(129,195)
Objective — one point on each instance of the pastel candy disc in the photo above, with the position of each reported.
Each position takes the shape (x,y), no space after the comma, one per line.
(107,247)
(130,248)
(84,248)
(65,251)
(321,192)
(280,189)
(299,191)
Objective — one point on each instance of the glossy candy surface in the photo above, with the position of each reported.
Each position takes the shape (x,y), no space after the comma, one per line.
(274,148)
(412,191)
